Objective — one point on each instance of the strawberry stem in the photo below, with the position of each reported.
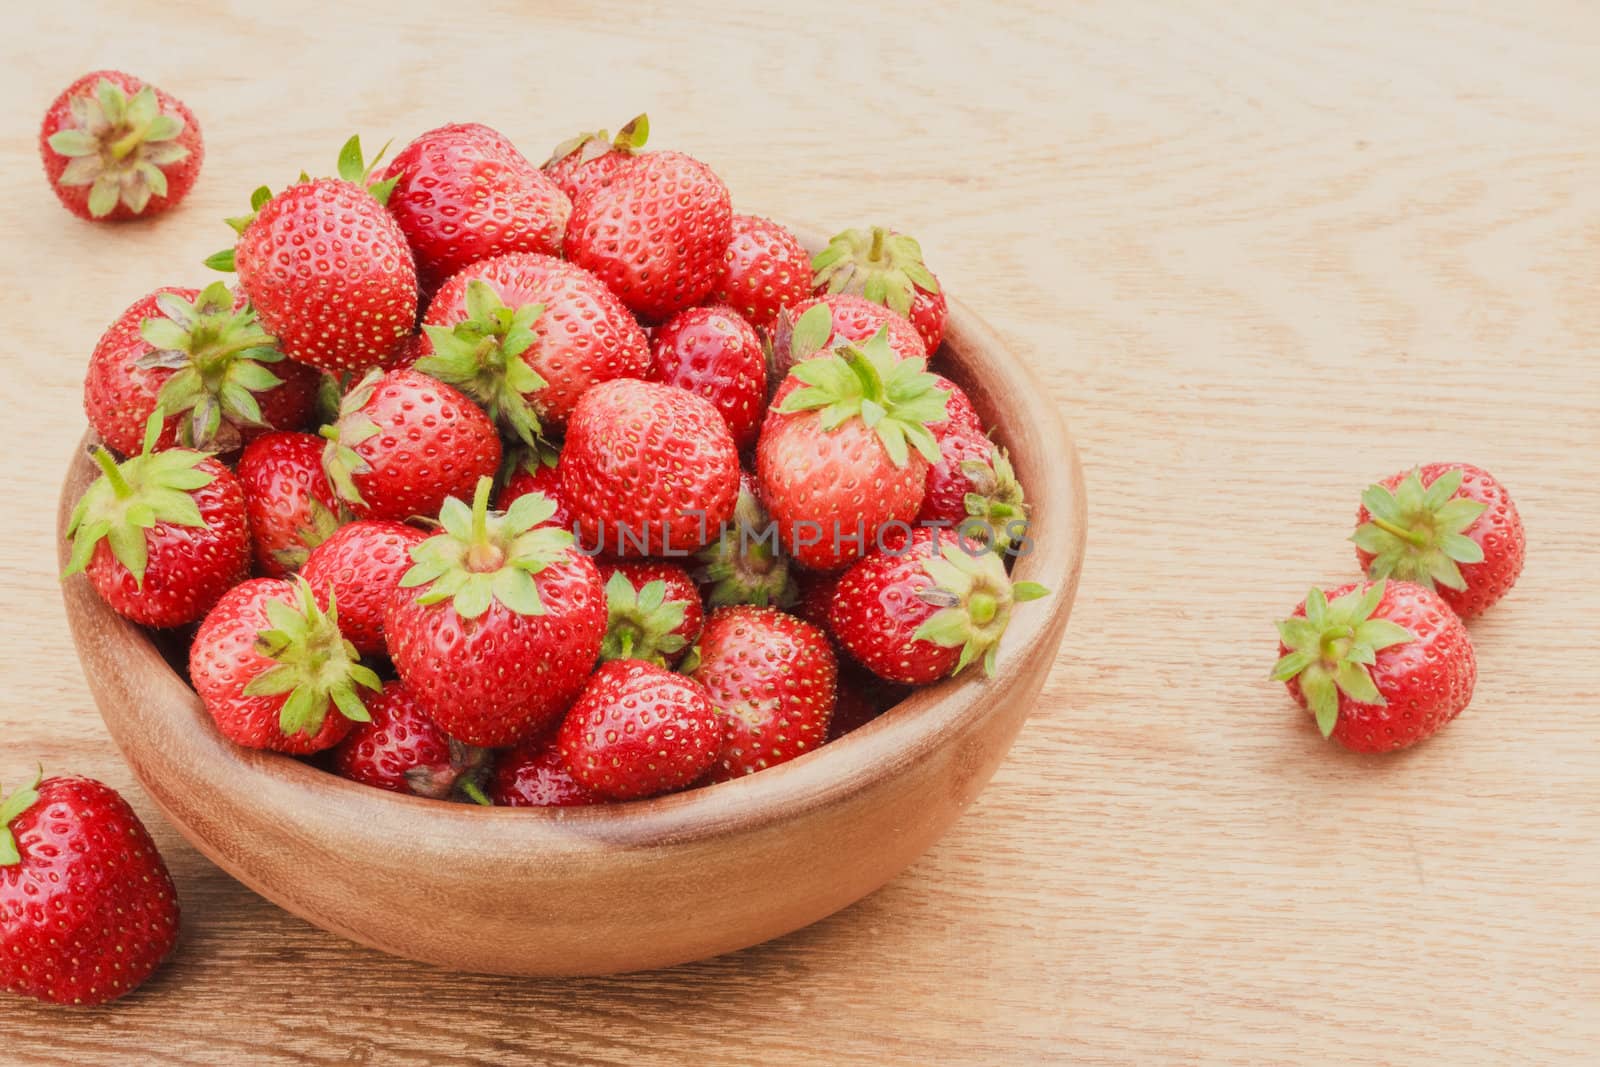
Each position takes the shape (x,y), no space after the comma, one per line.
(113,473)
(875,253)
(484,555)
(1409,536)
(127,143)
(475,794)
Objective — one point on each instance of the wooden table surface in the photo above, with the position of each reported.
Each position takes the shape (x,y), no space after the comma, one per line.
(1261,258)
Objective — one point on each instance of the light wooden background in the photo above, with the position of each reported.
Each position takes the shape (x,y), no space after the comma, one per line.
(1262,253)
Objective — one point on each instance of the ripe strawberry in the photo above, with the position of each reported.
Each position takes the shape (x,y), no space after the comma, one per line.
(714,353)
(591,160)
(974,491)
(833,459)
(638,730)
(764,270)
(815,600)
(87,908)
(536,470)
(533,776)
(202,359)
(1450,527)
(647,469)
(291,503)
(274,670)
(404,443)
(499,622)
(743,565)
(360,566)
(115,148)
(1382,665)
(925,610)
(654,233)
(816,327)
(404,751)
(653,612)
(161,536)
(771,679)
(886,268)
(525,335)
(463,193)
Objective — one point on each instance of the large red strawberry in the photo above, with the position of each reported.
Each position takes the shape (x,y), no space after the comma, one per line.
(406,442)
(815,327)
(533,776)
(744,565)
(162,535)
(87,908)
(925,610)
(526,335)
(115,148)
(714,353)
(291,503)
(496,626)
(1382,665)
(653,611)
(464,193)
(590,160)
(648,469)
(764,270)
(654,233)
(275,672)
(771,678)
(1448,526)
(886,268)
(200,357)
(536,470)
(404,751)
(638,730)
(974,491)
(359,567)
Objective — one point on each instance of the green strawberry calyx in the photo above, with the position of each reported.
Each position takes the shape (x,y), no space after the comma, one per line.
(975,597)
(896,398)
(481,556)
(340,460)
(591,146)
(1418,534)
(997,510)
(118,147)
(640,622)
(743,565)
(312,662)
(131,497)
(884,267)
(483,357)
(11,807)
(1332,649)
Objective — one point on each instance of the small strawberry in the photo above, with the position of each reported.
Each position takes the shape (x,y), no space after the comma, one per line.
(360,566)
(814,602)
(87,908)
(926,609)
(526,335)
(275,672)
(115,148)
(291,503)
(498,623)
(463,193)
(1382,665)
(714,353)
(647,469)
(638,730)
(162,535)
(962,416)
(404,751)
(1450,527)
(816,327)
(653,612)
(886,268)
(536,470)
(744,564)
(764,270)
(772,680)
(591,160)
(404,443)
(533,776)
(654,233)
(974,491)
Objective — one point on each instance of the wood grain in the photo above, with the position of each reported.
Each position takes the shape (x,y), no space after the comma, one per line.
(1261,253)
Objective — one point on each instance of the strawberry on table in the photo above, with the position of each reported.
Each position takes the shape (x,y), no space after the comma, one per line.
(291,503)
(535,470)
(653,612)
(764,270)
(714,353)
(403,750)
(974,491)
(744,564)
(638,730)
(590,160)
(533,776)
(886,268)
(359,567)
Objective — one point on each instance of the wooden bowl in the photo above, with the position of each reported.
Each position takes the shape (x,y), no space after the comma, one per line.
(620,887)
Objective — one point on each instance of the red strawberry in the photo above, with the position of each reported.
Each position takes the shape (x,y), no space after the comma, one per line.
(1382,665)
(886,268)
(815,601)
(974,491)
(406,442)
(87,908)
(497,625)
(274,670)
(926,609)
(291,503)
(962,417)
(654,233)
(743,565)
(405,354)
(464,193)
(202,359)
(161,536)
(525,335)
(647,469)
(653,612)
(816,327)
(714,353)
(764,270)
(533,776)
(638,730)
(404,751)
(771,679)
(1450,527)
(591,160)
(359,567)
(535,471)
(115,148)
